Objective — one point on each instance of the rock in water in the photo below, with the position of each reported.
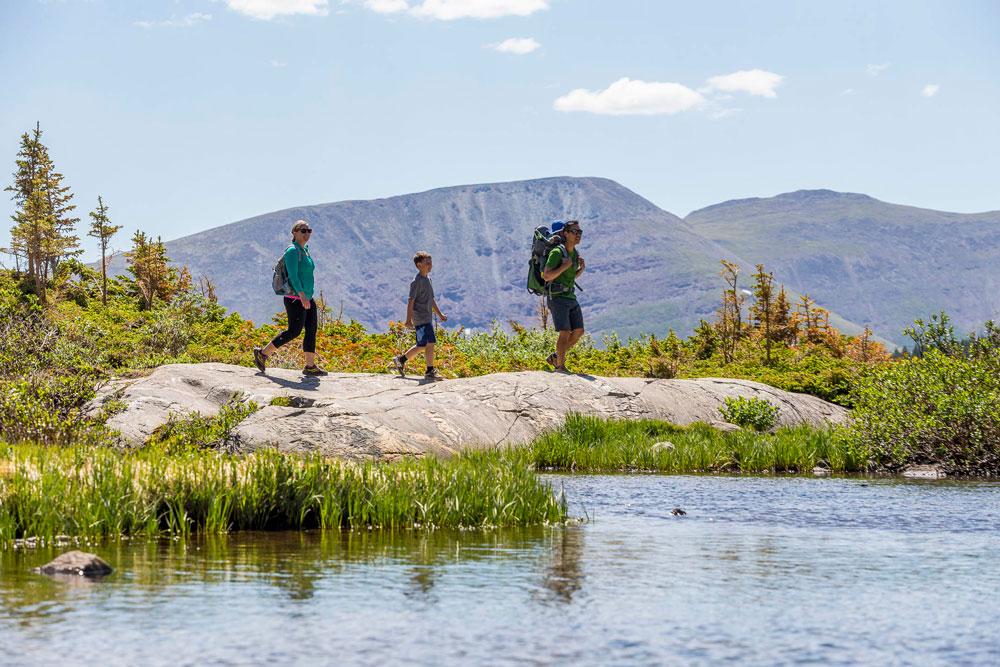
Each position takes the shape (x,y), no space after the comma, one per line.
(677,511)
(79,563)
(364,416)
(924,472)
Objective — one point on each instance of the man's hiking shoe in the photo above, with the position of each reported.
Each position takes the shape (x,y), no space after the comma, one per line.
(313,370)
(433,375)
(563,370)
(552,359)
(259,360)
(398,365)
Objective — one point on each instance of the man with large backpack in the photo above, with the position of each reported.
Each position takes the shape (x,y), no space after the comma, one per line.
(562,266)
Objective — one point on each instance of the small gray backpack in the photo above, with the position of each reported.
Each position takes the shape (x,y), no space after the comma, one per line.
(279,281)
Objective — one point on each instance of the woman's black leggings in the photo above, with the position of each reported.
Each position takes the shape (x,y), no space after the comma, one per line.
(298,317)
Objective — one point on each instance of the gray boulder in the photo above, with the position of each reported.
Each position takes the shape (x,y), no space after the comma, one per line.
(930,471)
(364,416)
(79,563)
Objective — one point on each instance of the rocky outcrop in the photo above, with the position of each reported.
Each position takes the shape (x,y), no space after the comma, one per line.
(78,563)
(384,416)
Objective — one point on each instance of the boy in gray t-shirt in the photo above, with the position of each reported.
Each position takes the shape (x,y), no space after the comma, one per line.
(420,311)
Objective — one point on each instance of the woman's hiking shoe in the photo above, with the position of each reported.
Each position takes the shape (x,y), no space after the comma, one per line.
(433,375)
(313,370)
(398,365)
(552,359)
(259,359)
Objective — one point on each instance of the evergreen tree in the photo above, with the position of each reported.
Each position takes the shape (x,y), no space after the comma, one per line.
(705,340)
(102,230)
(730,323)
(64,243)
(763,309)
(811,316)
(43,228)
(866,350)
(784,320)
(148,262)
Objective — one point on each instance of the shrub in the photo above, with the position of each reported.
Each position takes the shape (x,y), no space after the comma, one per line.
(939,408)
(195,431)
(750,412)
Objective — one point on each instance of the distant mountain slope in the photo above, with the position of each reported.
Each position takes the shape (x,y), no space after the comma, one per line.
(647,269)
(874,263)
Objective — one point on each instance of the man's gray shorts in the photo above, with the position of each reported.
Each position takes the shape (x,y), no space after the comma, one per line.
(566,313)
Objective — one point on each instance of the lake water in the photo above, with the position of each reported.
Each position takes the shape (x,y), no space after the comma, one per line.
(760,571)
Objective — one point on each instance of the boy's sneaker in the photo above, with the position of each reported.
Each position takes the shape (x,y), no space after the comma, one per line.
(398,365)
(313,370)
(259,360)
(433,374)
(552,359)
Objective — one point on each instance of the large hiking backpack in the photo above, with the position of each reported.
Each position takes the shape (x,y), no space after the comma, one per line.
(541,245)
(279,281)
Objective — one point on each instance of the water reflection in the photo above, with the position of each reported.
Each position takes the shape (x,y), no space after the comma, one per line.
(760,570)
(564,576)
(293,563)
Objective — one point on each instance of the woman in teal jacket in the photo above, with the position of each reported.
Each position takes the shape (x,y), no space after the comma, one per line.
(300,306)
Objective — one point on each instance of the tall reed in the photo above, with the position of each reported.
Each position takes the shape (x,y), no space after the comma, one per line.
(593,444)
(47,492)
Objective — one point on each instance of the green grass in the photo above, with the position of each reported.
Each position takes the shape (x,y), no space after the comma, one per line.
(46,492)
(176,486)
(592,444)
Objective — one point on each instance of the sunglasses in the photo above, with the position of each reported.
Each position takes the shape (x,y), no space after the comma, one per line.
(306,231)
(577,231)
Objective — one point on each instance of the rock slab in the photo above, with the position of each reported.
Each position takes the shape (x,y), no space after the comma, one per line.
(366,416)
(79,563)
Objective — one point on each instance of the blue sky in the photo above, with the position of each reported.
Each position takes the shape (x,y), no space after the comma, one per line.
(190,114)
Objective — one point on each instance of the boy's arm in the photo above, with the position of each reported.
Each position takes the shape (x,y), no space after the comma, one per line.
(434,304)
(409,313)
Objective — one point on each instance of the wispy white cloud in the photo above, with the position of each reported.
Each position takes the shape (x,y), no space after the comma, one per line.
(265,10)
(875,70)
(930,90)
(387,6)
(725,113)
(173,22)
(451,10)
(754,81)
(631,97)
(518,46)
(847,91)
(278,63)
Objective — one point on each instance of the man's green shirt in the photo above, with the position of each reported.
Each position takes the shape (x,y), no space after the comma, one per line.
(567,277)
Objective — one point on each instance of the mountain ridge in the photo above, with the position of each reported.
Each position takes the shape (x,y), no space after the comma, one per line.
(876,263)
(480,234)
(648,268)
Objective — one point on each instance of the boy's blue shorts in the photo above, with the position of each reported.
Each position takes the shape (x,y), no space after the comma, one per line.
(425,334)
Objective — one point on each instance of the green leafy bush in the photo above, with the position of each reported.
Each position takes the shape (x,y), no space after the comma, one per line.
(941,408)
(197,431)
(752,412)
